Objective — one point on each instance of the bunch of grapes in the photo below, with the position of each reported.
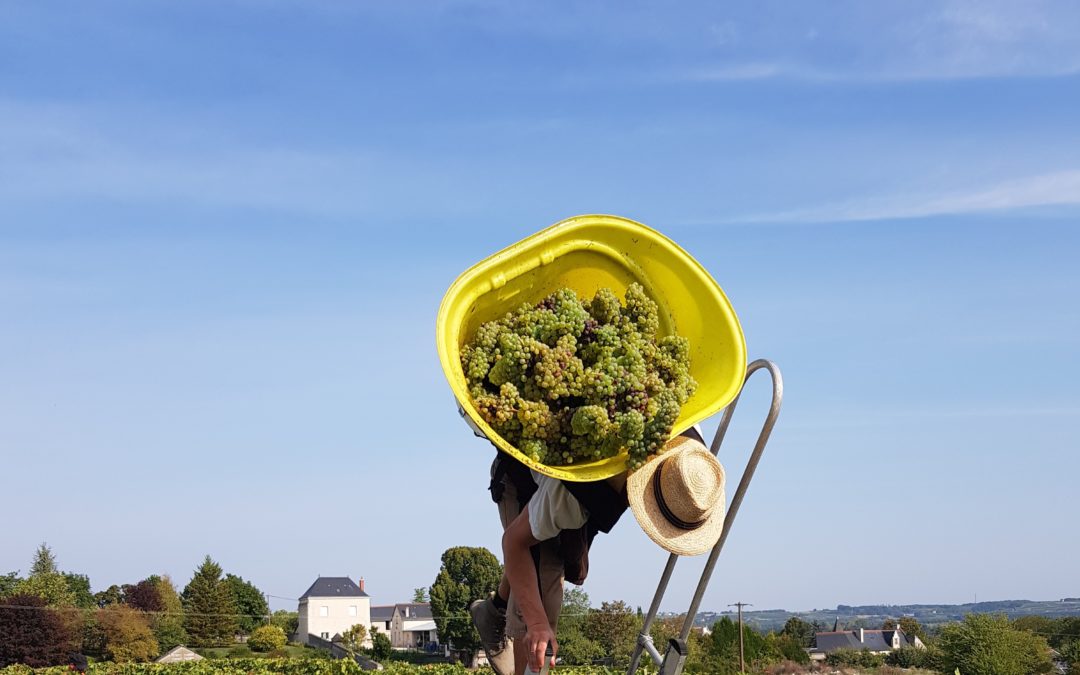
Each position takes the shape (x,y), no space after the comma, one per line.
(567,381)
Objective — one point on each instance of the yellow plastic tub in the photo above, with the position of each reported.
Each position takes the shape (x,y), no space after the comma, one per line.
(587,253)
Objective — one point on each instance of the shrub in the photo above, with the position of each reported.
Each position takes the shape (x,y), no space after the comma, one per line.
(855,657)
(239,652)
(984,643)
(127,634)
(267,638)
(279,653)
(33,635)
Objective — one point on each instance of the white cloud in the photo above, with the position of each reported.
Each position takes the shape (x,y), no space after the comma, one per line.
(1060,188)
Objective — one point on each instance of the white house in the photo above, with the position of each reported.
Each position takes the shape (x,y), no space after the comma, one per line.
(332,606)
(412,626)
(873,641)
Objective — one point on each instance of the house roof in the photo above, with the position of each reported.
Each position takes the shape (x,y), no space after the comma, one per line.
(873,640)
(179,653)
(427,625)
(417,610)
(382,612)
(334,587)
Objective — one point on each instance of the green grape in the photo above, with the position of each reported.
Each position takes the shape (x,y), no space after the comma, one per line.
(566,381)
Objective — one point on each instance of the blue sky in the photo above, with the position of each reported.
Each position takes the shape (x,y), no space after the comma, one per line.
(226,227)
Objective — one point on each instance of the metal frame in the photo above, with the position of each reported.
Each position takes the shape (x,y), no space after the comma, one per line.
(672,661)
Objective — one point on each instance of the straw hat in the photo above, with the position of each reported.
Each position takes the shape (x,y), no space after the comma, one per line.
(678,497)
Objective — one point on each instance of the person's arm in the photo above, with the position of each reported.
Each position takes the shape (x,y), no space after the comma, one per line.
(521,573)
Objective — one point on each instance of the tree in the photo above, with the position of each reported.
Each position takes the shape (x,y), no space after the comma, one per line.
(79,585)
(45,581)
(32,634)
(8,583)
(381,649)
(574,647)
(909,624)
(209,609)
(286,621)
(168,623)
(127,634)
(144,596)
(784,647)
(722,646)
(420,594)
(800,631)
(1070,652)
(113,595)
(614,627)
(985,644)
(467,573)
(249,601)
(355,638)
(267,638)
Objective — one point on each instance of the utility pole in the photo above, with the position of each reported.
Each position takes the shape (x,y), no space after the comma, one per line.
(742,658)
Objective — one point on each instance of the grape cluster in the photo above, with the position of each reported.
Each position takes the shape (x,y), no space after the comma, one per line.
(566,381)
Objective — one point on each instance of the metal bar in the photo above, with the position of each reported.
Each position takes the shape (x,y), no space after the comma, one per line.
(748,474)
(644,641)
(651,616)
(647,644)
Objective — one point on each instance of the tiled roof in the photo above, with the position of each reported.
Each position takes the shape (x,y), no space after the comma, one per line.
(417,610)
(334,587)
(873,640)
(382,612)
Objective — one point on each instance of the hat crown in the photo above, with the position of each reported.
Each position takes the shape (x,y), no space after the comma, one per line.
(692,483)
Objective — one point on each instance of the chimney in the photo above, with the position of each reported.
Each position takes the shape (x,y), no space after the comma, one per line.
(862,638)
(361,584)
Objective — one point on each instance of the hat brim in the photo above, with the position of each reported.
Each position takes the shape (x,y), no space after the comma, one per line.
(642,498)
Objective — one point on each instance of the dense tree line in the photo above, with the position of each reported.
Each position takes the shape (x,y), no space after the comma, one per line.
(49,616)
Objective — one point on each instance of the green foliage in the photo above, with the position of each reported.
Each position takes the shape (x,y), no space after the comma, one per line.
(986,644)
(722,646)
(267,638)
(32,634)
(239,652)
(262,666)
(355,638)
(858,658)
(79,586)
(127,634)
(249,601)
(800,631)
(467,573)
(1057,631)
(209,607)
(113,595)
(784,647)
(168,624)
(8,583)
(574,646)
(46,582)
(913,657)
(663,630)
(381,648)
(286,621)
(420,595)
(614,627)
(1070,653)
(567,381)
(909,624)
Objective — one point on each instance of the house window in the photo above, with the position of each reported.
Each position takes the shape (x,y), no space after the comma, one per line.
(352,610)
(324,611)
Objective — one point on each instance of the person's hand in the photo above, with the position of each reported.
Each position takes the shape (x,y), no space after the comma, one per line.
(537,637)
